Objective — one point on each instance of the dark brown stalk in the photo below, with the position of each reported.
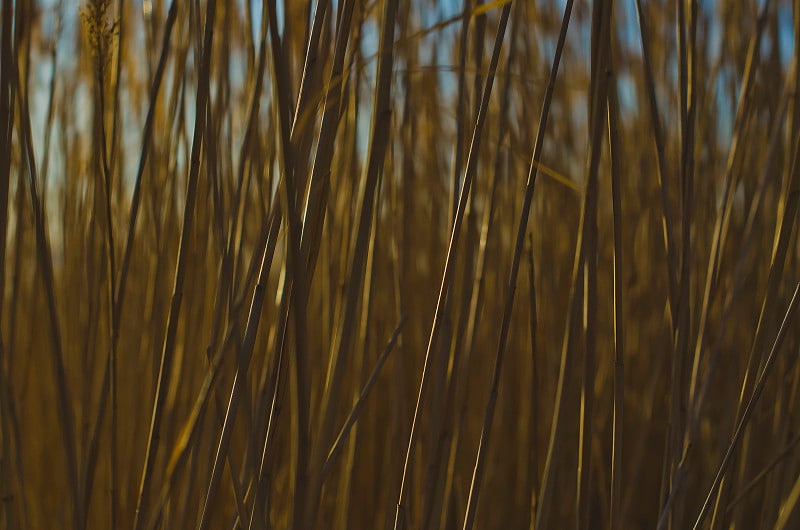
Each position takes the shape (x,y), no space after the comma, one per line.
(598,107)
(319,183)
(533,455)
(296,287)
(658,137)
(66,414)
(113,148)
(615,153)
(296,271)
(447,277)
(546,486)
(350,433)
(719,236)
(723,216)
(687,40)
(461,354)
(51,97)
(477,477)
(265,248)
(102,30)
(13,505)
(147,140)
(299,132)
(299,140)
(434,484)
(758,389)
(253,320)
(187,437)
(755,363)
(336,448)
(378,141)
(759,478)
(701,395)
(166,364)
(259,506)
(461,105)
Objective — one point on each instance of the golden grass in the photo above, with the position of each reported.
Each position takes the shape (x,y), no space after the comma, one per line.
(375,264)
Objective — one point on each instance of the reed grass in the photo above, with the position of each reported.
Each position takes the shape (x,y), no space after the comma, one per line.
(274,264)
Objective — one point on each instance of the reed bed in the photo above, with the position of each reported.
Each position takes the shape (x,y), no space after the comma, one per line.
(411,265)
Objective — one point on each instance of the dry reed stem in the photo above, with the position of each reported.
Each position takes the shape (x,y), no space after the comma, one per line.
(166,364)
(447,276)
(45,260)
(617,453)
(283,212)
(758,389)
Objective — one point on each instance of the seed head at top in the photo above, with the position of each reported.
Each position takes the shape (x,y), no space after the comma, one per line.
(100,29)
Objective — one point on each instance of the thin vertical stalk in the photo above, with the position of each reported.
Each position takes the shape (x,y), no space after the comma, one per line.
(658,138)
(789,514)
(13,508)
(748,409)
(299,139)
(301,385)
(100,70)
(723,216)
(317,202)
(780,250)
(462,353)
(296,287)
(533,454)
(378,141)
(66,414)
(699,400)
(687,37)
(319,183)
(115,126)
(541,514)
(358,372)
(336,447)
(619,330)
(166,364)
(598,106)
(461,104)
(119,297)
(187,438)
(447,277)
(478,472)
(51,97)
